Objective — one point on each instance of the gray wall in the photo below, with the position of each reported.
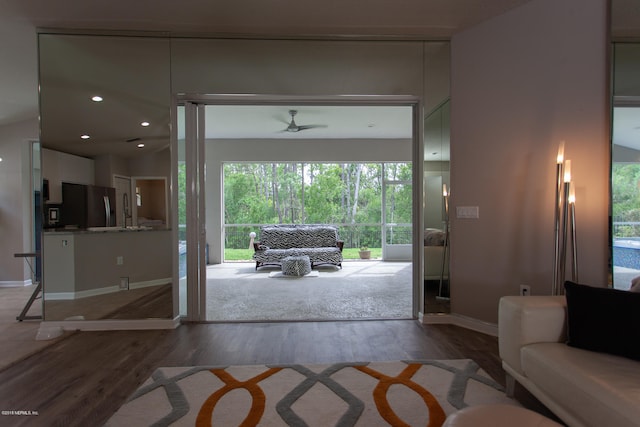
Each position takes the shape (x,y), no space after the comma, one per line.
(521,83)
(15,200)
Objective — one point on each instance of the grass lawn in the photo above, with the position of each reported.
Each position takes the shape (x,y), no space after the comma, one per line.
(246,254)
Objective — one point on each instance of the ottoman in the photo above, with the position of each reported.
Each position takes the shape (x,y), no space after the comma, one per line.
(498,416)
(296,265)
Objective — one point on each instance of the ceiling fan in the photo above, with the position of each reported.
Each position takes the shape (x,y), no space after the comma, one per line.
(293,127)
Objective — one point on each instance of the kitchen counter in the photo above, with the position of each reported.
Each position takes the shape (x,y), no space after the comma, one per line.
(80,263)
(94,230)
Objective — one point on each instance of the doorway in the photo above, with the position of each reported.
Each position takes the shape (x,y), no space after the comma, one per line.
(207,146)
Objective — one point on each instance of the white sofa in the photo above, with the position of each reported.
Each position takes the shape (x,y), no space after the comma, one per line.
(434,250)
(582,387)
(433,263)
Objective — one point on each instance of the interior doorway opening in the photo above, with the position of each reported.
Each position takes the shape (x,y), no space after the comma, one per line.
(380,131)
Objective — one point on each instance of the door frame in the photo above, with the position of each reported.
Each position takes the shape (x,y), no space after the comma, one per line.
(196,235)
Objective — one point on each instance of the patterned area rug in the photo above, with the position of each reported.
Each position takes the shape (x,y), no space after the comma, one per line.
(399,393)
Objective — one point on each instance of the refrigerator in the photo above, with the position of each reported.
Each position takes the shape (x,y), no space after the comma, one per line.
(88,205)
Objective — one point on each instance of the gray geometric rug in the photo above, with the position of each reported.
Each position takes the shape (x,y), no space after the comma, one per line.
(375,290)
(343,394)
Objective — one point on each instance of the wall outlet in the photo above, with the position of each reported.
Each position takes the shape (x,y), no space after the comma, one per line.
(124,283)
(119,260)
(525,290)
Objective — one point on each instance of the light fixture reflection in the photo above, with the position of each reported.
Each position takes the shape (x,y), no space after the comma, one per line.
(140,145)
(145,124)
(96,98)
(85,136)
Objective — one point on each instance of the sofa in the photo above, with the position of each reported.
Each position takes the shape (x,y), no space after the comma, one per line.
(577,353)
(317,241)
(434,251)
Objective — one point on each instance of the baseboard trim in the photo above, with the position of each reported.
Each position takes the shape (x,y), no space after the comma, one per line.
(15,283)
(108,325)
(61,296)
(149,283)
(462,321)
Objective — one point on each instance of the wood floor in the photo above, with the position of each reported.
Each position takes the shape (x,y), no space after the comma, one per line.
(83,379)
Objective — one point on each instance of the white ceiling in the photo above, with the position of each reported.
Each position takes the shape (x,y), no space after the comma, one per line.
(626,130)
(421,19)
(252,122)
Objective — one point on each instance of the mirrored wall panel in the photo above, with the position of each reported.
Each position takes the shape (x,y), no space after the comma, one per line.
(625,167)
(105,123)
(435,209)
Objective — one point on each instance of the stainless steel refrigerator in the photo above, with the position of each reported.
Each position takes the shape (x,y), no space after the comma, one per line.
(88,205)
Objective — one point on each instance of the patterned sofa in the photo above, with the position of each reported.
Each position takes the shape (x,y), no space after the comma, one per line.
(319,242)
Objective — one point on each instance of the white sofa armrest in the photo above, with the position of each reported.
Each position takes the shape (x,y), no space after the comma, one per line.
(527,320)
(433,263)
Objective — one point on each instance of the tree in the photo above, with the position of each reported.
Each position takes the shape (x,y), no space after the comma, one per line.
(349,193)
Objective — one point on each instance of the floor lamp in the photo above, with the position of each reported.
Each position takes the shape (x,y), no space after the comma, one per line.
(565,224)
(445,249)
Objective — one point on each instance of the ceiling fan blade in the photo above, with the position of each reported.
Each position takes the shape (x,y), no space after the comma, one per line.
(304,127)
(292,127)
(282,120)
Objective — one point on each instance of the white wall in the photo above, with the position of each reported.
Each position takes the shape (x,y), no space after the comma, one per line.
(294,67)
(15,200)
(521,83)
(60,167)
(437,74)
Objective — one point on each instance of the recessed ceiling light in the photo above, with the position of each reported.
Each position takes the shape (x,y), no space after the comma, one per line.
(140,145)
(96,98)
(85,136)
(145,124)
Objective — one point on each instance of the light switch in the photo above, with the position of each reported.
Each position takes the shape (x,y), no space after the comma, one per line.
(468,212)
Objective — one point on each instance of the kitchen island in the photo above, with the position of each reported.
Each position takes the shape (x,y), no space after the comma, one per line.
(102,260)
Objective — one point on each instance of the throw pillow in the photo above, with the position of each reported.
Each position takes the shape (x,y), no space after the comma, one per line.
(603,319)
(433,237)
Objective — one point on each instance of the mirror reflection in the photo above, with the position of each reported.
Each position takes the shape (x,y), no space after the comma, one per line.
(625,167)
(105,138)
(436,182)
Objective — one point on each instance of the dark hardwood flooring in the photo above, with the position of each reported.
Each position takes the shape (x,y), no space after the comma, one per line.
(432,302)
(155,305)
(83,379)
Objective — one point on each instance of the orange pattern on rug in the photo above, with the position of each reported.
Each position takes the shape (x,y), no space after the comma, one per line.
(396,393)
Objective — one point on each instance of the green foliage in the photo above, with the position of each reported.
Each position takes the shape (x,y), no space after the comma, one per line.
(238,254)
(182,193)
(287,193)
(625,198)
(346,194)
